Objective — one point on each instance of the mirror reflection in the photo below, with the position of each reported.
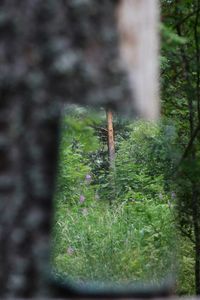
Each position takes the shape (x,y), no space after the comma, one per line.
(115,198)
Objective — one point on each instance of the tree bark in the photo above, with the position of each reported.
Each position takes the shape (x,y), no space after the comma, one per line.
(111,142)
(111,154)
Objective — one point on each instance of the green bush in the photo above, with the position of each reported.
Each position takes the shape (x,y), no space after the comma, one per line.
(130,242)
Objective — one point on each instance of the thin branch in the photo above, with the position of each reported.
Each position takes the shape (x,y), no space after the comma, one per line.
(187,79)
(180,227)
(190,144)
(187,149)
(186,234)
(186,18)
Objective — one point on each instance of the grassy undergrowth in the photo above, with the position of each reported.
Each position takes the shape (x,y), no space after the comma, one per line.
(135,239)
(129,242)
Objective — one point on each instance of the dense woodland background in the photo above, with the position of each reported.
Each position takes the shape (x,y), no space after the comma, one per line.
(180,79)
(129,211)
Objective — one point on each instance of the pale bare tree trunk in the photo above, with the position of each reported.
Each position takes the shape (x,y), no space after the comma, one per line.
(138,28)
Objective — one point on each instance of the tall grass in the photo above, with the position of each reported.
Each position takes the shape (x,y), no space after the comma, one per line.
(128,242)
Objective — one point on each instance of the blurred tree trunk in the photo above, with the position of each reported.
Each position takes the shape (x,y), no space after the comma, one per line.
(58,57)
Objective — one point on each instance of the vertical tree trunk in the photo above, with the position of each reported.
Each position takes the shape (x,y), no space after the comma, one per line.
(111,142)
(139,44)
(111,155)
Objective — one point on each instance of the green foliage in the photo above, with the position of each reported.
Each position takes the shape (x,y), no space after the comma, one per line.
(186,275)
(126,243)
(144,160)
(132,239)
(180,65)
(78,140)
(72,173)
